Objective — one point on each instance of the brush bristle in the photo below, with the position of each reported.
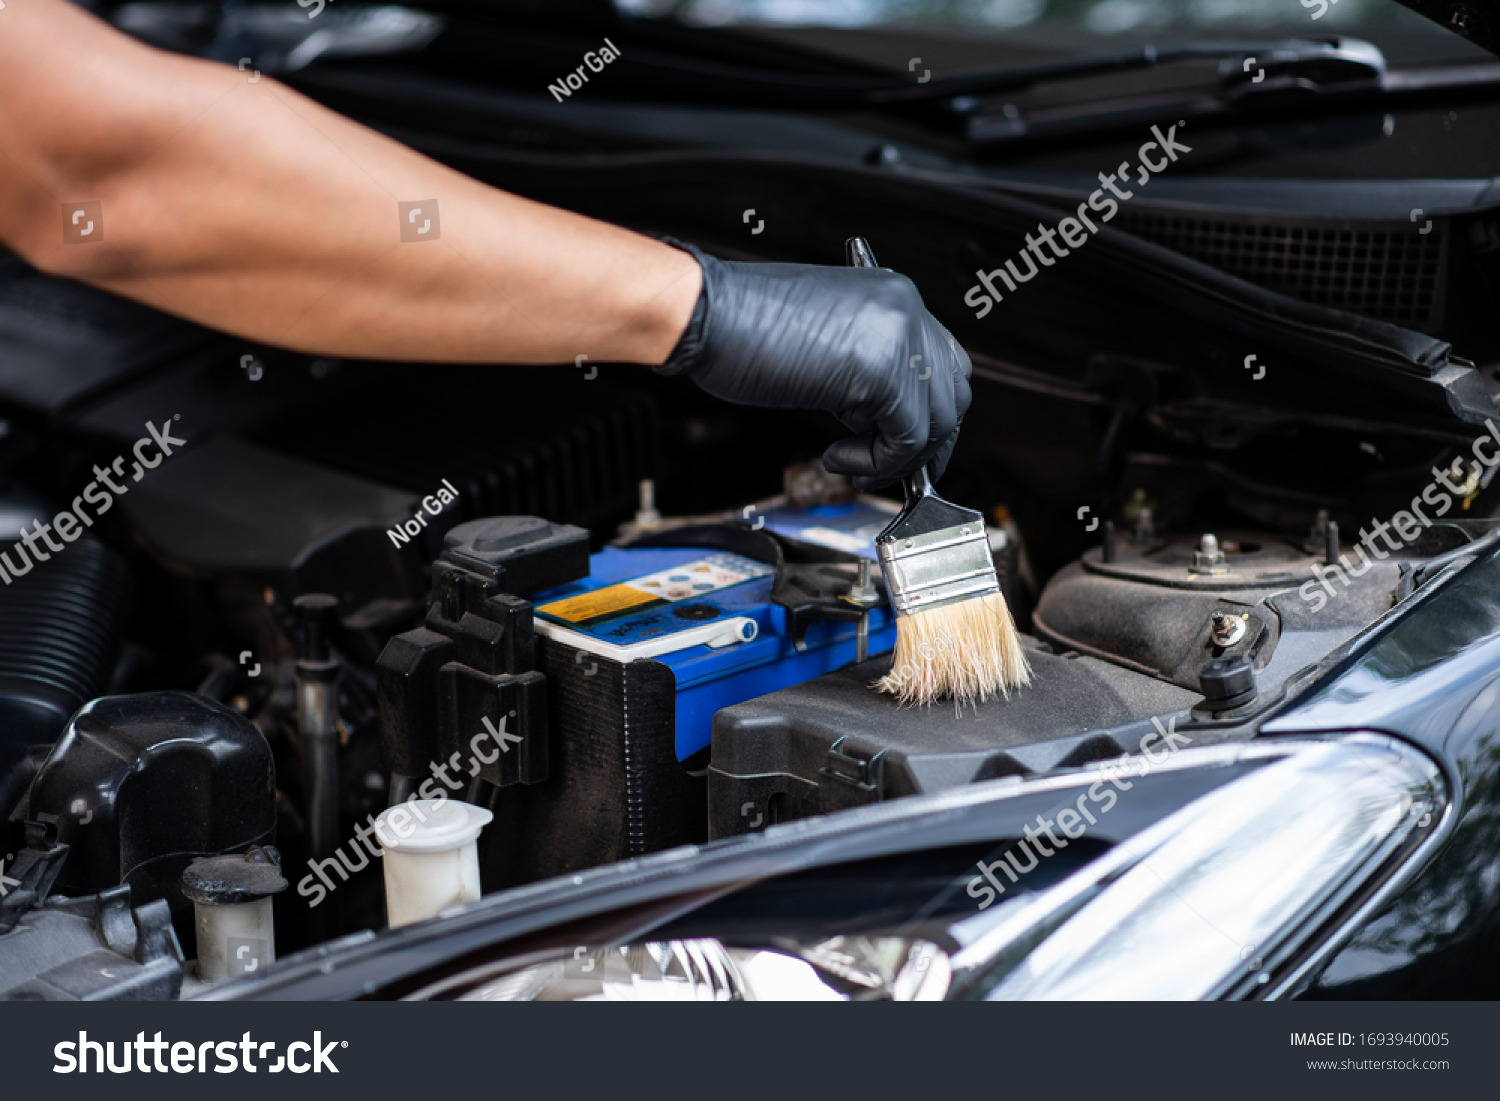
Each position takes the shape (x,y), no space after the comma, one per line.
(967,651)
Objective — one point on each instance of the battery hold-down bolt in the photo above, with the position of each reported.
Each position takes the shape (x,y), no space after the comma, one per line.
(863,595)
(1226,629)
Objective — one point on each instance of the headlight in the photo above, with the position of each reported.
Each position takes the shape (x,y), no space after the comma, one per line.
(1238,894)
(1242,892)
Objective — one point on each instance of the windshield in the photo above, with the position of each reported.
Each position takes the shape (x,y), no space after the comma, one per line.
(978,34)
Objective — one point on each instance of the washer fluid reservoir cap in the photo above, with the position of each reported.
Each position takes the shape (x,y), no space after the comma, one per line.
(430,825)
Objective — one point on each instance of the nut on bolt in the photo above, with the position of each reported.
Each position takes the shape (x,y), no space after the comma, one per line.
(1227,629)
(863,592)
(1208,558)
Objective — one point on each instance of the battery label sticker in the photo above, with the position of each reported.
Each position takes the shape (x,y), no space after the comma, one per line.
(706,575)
(691,579)
(599,604)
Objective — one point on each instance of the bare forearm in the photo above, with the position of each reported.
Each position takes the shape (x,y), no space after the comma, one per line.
(250,208)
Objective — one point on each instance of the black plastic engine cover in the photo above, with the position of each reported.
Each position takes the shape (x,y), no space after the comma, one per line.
(834,742)
(142,785)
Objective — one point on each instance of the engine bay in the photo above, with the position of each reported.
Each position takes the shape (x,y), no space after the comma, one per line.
(619,617)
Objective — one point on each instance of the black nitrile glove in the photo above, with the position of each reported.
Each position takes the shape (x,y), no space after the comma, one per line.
(855,342)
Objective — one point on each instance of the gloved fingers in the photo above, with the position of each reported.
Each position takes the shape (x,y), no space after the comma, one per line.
(856,422)
(960,356)
(853,342)
(962,396)
(857,457)
(909,434)
(904,439)
(939,461)
(918,422)
(962,370)
(957,397)
(854,456)
(942,393)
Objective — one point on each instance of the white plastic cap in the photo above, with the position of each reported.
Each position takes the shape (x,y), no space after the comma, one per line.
(420,826)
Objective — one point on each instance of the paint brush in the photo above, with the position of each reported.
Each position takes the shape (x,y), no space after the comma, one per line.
(955,638)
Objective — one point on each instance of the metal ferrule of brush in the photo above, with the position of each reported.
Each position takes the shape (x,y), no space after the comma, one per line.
(934,553)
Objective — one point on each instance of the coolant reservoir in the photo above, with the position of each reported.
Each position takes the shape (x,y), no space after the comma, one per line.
(431,856)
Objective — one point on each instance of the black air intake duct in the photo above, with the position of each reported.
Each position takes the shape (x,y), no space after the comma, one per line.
(61,625)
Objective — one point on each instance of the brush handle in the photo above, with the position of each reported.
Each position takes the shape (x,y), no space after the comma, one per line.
(859,254)
(918,485)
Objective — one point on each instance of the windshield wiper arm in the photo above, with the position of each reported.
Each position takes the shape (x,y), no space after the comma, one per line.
(1319,60)
(1250,76)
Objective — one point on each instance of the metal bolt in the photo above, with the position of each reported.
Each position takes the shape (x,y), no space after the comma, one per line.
(1208,558)
(862,592)
(1313,544)
(1226,630)
(862,632)
(646,515)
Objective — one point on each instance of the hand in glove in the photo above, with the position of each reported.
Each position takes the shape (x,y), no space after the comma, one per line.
(855,342)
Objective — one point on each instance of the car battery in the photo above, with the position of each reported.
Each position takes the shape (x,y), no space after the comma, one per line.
(849,526)
(639,655)
(708,617)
